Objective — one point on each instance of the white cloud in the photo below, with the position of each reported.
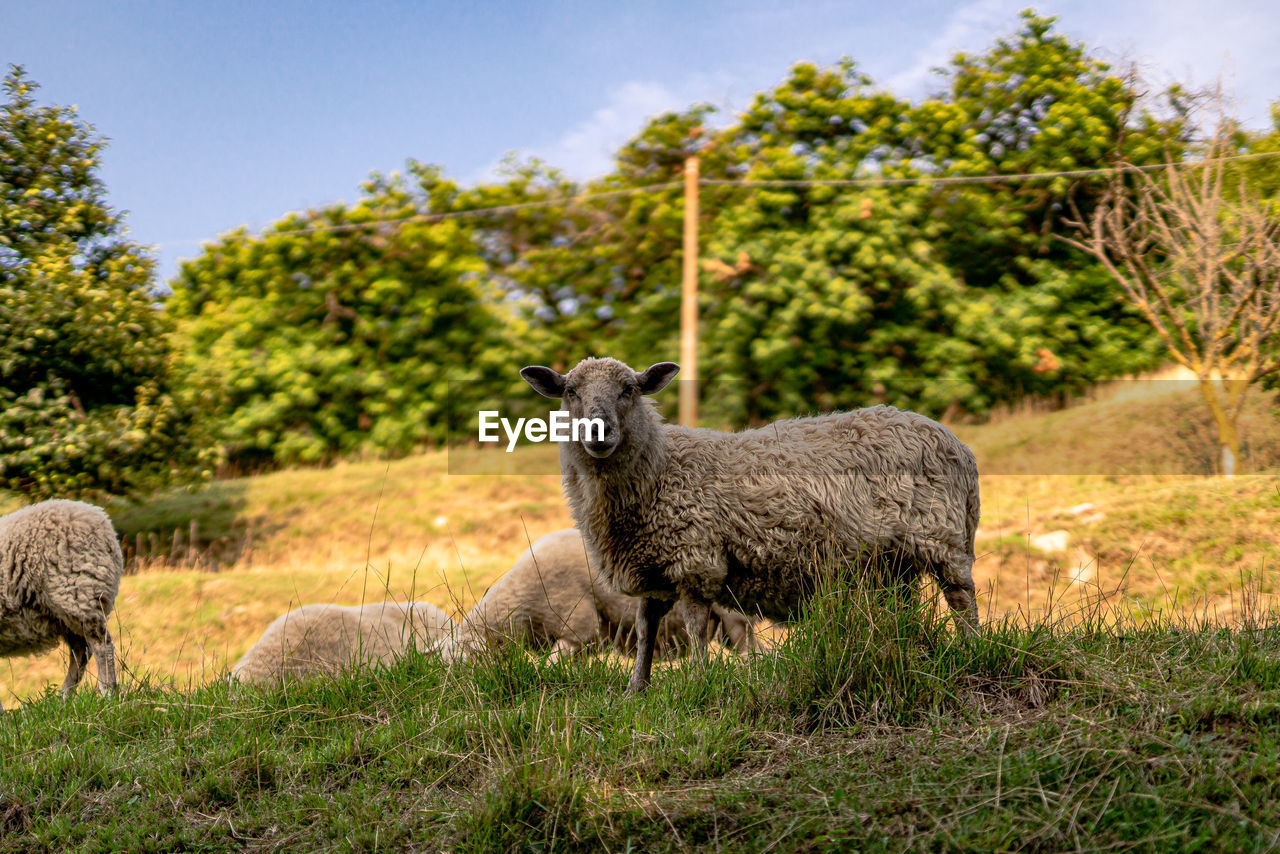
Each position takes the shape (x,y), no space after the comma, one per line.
(972,27)
(586,150)
(1193,42)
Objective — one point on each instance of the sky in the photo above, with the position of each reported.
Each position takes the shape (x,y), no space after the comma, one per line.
(223,114)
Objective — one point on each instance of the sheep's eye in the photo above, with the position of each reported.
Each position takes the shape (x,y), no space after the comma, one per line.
(625,393)
(570,394)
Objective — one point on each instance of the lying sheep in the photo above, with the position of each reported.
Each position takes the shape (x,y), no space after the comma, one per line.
(749,519)
(60,568)
(551,599)
(326,639)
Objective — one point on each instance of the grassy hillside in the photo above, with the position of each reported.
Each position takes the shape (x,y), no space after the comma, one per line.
(1124,695)
(871,729)
(1053,530)
(349,534)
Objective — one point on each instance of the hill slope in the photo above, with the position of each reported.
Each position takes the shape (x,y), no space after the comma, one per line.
(362,531)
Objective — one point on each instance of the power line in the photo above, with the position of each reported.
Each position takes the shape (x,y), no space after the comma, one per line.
(965,179)
(729,182)
(447,215)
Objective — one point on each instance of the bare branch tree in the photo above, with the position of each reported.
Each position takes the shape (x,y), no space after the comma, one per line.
(1198,254)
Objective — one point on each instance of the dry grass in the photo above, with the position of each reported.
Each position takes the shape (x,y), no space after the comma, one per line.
(1116,499)
(353,533)
(1149,543)
(361,531)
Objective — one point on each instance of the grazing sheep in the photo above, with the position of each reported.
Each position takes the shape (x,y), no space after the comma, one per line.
(326,639)
(746,519)
(551,599)
(60,568)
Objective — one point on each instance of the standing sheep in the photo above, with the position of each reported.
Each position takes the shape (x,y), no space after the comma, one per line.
(60,568)
(745,519)
(551,599)
(326,639)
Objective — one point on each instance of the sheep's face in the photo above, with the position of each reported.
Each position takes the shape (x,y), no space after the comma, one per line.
(601,388)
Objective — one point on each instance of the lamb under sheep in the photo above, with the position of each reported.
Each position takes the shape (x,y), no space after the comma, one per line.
(60,568)
(553,600)
(739,518)
(324,639)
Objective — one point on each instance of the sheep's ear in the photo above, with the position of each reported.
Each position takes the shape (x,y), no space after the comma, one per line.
(545,381)
(655,377)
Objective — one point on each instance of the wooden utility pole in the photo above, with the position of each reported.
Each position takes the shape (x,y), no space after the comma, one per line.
(689,299)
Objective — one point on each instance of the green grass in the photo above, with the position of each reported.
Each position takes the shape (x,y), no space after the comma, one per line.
(368,530)
(1134,721)
(872,728)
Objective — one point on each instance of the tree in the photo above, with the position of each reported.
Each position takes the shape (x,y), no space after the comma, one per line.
(1037,102)
(345,330)
(607,266)
(819,296)
(946,297)
(86,397)
(1198,254)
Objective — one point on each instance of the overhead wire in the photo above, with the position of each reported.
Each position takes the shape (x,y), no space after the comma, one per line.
(578,198)
(427,216)
(968,179)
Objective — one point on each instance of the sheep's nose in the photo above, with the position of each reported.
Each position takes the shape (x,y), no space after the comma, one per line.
(609,427)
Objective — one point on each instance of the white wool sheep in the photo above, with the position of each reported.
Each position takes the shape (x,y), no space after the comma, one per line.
(60,568)
(326,639)
(551,599)
(747,519)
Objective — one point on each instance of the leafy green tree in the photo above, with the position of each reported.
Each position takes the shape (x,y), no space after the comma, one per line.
(1038,102)
(1261,175)
(542,251)
(86,391)
(804,293)
(1035,102)
(945,296)
(593,263)
(345,330)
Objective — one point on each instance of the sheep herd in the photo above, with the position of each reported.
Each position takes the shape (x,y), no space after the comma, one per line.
(679,534)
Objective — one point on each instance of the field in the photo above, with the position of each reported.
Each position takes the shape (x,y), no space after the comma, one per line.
(1125,696)
(1067,515)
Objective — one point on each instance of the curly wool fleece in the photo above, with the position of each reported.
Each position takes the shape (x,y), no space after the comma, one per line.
(748,520)
(60,568)
(554,599)
(322,640)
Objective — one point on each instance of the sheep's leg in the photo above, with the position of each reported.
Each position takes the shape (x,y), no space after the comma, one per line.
(697,621)
(649,615)
(79,658)
(581,628)
(105,651)
(563,648)
(738,631)
(956,582)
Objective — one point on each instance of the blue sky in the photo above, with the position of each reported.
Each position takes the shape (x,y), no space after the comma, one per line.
(233,113)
